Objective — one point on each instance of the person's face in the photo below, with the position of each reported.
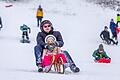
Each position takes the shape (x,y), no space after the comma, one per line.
(47,28)
(100,50)
(106,29)
(50,41)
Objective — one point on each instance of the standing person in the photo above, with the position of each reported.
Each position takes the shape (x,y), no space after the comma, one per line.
(113,29)
(1,23)
(39,15)
(118,18)
(100,54)
(24,28)
(47,29)
(105,35)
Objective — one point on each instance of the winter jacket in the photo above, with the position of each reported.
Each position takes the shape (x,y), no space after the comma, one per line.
(98,55)
(41,38)
(39,12)
(105,35)
(118,18)
(24,28)
(0,22)
(113,27)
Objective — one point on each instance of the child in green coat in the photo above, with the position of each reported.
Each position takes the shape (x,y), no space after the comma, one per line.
(100,53)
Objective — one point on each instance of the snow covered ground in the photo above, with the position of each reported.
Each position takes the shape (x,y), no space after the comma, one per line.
(80,24)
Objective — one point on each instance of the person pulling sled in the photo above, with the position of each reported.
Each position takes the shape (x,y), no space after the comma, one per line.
(100,55)
(25,29)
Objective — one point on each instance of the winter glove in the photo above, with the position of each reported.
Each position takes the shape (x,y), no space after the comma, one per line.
(29,30)
(57,43)
(97,58)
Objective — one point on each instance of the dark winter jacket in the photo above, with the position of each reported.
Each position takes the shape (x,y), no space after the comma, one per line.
(105,35)
(41,38)
(0,22)
(113,27)
(98,55)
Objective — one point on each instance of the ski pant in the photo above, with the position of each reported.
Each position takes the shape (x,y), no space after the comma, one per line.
(118,22)
(0,27)
(25,33)
(38,51)
(39,20)
(109,40)
(114,35)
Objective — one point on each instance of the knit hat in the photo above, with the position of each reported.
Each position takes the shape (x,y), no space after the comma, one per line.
(112,20)
(48,37)
(106,27)
(100,46)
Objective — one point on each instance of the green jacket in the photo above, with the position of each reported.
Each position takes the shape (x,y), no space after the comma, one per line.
(98,55)
(118,18)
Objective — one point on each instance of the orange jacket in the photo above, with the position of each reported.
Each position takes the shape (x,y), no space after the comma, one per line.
(39,12)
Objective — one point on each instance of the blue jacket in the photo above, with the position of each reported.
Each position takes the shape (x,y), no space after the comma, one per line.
(24,28)
(41,38)
(113,27)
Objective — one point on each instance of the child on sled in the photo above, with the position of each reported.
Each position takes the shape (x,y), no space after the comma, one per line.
(101,56)
(51,54)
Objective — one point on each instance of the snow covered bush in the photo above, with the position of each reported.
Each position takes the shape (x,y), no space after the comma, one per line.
(112,4)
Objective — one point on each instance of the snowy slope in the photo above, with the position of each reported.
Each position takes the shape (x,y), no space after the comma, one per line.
(80,24)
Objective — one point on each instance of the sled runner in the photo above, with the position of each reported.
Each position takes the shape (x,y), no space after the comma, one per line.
(57,61)
(8,5)
(25,41)
(103,60)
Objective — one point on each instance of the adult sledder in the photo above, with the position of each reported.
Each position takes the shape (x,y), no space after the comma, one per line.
(25,38)
(47,29)
(101,56)
(105,36)
(53,56)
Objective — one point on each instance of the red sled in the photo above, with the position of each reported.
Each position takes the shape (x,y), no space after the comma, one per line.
(104,60)
(117,29)
(57,60)
(47,60)
(50,59)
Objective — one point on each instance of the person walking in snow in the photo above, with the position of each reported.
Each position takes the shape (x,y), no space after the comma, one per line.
(1,23)
(24,28)
(113,29)
(105,36)
(100,53)
(46,28)
(39,15)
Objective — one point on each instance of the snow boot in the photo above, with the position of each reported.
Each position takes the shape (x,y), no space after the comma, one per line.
(74,68)
(40,69)
(116,43)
